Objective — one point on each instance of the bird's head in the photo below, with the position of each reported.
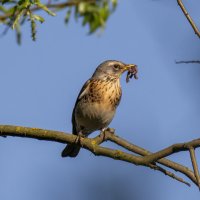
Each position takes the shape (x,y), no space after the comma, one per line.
(112,68)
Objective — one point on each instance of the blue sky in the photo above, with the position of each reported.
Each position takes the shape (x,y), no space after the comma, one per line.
(40,82)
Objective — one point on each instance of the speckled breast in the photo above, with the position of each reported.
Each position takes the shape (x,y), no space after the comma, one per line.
(97,108)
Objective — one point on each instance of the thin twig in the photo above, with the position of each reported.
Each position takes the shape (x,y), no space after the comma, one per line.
(196,30)
(188,62)
(172,175)
(194,164)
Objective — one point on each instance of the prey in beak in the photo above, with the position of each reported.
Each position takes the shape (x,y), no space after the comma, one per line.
(131,71)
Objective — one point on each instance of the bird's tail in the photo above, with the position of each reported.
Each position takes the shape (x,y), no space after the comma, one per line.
(71,150)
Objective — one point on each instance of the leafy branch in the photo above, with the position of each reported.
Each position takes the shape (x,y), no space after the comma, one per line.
(141,156)
(93,13)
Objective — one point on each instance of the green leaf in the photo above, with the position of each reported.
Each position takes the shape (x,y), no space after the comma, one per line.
(32,18)
(17,18)
(33,27)
(67,16)
(114,4)
(3,9)
(104,13)
(43,7)
(96,14)
(11,11)
(18,34)
(95,24)
(38,18)
(86,20)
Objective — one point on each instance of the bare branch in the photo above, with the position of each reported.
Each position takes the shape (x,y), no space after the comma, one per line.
(143,152)
(194,164)
(188,62)
(172,175)
(93,145)
(196,30)
(140,151)
(175,148)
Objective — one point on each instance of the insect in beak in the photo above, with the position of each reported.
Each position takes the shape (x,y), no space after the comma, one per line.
(132,71)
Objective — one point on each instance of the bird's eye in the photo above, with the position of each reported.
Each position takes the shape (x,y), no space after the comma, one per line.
(116,67)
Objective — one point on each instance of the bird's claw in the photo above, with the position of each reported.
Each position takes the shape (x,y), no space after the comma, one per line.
(79,137)
(104,132)
(111,130)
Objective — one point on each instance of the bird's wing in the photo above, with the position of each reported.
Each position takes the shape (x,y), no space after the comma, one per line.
(82,93)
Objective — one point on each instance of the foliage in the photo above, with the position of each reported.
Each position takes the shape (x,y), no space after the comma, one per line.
(93,13)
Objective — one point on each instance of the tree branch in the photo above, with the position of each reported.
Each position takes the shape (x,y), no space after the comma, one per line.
(194,164)
(93,145)
(196,30)
(188,62)
(175,148)
(143,152)
(48,5)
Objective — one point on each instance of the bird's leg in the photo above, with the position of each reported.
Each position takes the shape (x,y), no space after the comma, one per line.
(103,132)
(80,135)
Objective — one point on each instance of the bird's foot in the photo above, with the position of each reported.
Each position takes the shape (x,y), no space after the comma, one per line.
(111,130)
(104,131)
(79,138)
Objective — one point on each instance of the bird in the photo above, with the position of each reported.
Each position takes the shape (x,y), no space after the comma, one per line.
(97,101)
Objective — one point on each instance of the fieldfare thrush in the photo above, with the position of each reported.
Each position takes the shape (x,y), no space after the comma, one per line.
(97,101)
